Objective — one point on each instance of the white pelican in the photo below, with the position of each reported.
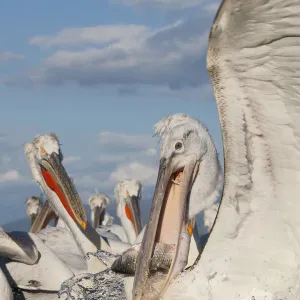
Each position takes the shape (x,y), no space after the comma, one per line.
(98,204)
(189,181)
(128,193)
(253,250)
(101,220)
(44,158)
(33,206)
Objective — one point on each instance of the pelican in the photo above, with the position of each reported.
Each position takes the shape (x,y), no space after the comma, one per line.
(189,180)
(253,250)
(128,193)
(33,206)
(101,220)
(98,204)
(44,158)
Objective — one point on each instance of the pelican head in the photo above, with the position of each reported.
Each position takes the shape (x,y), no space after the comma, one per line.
(98,204)
(45,160)
(128,195)
(33,207)
(188,181)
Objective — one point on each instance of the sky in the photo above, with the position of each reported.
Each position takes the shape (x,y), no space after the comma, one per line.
(99,74)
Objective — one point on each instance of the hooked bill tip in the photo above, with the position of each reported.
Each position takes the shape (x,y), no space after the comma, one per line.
(83,225)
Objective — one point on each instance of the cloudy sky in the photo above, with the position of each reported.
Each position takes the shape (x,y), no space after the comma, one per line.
(100,74)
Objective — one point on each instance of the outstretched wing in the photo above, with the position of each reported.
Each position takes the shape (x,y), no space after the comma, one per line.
(254,63)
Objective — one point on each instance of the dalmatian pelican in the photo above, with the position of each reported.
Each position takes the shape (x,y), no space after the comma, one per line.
(128,194)
(98,204)
(44,158)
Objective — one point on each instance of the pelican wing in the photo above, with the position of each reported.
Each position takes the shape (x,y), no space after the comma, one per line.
(45,275)
(254,63)
(62,243)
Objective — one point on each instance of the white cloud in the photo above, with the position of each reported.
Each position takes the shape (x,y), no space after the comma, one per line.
(8,56)
(71,159)
(97,35)
(12,175)
(165,4)
(106,158)
(151,152)
(136,170)
(172,56)
(118,156)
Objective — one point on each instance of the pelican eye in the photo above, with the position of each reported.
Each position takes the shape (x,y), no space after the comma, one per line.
(43,151)
(178,146)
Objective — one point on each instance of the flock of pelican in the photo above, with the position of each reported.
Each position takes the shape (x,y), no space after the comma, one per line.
(252,251)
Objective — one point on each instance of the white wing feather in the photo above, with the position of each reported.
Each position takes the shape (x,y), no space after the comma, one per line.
(46,275)
(254,63)
(62,243)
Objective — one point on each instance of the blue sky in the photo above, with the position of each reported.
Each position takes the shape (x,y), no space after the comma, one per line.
(99,74)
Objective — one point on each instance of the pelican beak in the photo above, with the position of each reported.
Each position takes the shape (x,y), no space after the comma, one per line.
(133,213)
(58,181)
(98,216)
(43,218)
(32,218)
(167,225)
